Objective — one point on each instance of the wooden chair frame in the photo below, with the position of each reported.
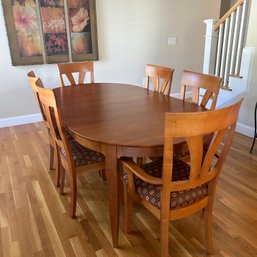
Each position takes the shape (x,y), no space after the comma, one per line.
(53,154)
(68,70)
(204,168)
(196,81)
(157,73)
(54,118)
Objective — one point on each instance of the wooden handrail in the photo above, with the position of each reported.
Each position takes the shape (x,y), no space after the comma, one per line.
(227,14)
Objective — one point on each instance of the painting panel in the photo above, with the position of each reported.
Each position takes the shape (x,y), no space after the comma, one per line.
(82,21)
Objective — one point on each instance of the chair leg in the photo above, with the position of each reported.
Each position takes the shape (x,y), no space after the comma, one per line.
(102,174)
(255,127)
(253,143)
(208,229)
(73,194)
(140,160)
(128,209)
(52,154)
(58,166)
(62,178)
(164,240)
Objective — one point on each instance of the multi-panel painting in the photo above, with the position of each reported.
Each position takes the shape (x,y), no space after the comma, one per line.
(51,31)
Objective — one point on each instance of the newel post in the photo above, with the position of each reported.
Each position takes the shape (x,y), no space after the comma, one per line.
(211,39)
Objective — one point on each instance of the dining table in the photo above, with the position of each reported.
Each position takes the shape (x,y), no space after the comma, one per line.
(118,120)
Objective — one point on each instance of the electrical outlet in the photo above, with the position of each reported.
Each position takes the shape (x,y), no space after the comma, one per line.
(172,41)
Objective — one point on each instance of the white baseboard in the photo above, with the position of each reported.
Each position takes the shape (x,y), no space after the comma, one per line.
(19,120)
(245,130)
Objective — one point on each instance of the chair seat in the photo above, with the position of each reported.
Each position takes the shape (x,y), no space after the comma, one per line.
(178,199)
(82,155)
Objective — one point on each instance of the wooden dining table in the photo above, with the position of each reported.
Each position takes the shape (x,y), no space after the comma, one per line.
(117,120)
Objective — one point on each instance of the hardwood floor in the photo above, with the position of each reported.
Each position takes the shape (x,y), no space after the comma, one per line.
(34,218)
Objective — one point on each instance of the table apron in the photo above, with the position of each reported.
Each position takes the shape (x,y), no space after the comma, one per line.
(126,151)
(122,151)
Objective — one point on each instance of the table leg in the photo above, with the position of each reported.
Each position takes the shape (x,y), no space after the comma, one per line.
(113,196)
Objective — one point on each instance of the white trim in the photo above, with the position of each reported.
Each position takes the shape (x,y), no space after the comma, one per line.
(245,130)
(19,120)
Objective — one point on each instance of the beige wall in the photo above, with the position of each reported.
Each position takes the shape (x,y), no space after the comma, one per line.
(225,6)
(131,34)
(247,110)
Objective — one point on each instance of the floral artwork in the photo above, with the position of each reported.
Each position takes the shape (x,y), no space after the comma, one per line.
(81,43)
(79,20)
(27,28)
(25,19)
(56,44)
(51,31)
(54,27)
(29,45)
(53,20)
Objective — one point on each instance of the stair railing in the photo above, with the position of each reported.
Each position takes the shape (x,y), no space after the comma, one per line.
(224,42)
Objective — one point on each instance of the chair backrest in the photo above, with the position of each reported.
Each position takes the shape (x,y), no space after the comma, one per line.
(70,69)
(53,117)
(159,74)
(197,81)
(32,81)
(193,127)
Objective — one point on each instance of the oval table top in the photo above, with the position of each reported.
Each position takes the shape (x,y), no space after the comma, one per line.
(118,114)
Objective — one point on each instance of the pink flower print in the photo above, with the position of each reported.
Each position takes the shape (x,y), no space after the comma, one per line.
(56,43)
(57,25)
(80,20)
(25,19)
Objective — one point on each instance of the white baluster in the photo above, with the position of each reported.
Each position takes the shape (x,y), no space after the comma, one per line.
(241,38)
(229,48)
(218,56)
(235,39)
(224,48)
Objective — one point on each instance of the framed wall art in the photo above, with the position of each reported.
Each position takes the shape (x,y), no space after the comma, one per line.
(51,31)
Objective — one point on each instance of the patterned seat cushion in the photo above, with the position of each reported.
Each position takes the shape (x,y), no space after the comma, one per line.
(82,155)
(151,193)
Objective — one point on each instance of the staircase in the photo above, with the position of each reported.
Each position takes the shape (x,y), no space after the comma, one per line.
(225,53)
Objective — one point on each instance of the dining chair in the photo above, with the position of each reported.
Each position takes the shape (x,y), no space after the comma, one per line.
(32,80)
(69,70)
(172,189)
(204,88)
(161,78)
(73,157)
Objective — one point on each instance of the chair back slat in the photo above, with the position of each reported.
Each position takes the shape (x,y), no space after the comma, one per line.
(195,146)
(69,70)
(159,74)
(193,127)
(196,81)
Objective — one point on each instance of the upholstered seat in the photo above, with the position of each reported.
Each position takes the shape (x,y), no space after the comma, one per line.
(178,199)
(82,155)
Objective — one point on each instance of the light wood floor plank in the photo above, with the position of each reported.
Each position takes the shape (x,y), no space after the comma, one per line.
(34,218)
